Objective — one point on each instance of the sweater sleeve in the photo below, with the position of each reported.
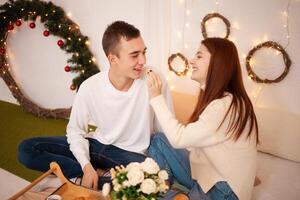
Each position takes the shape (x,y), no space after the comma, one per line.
(168,99)
(197,134)
(77,128)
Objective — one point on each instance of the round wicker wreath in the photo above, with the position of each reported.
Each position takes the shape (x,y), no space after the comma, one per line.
(184,59)
(214,15)
(56,23)
(273,45)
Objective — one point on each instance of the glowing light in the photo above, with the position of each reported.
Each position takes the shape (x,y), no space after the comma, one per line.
(188,12)
(179,34)
(69,14)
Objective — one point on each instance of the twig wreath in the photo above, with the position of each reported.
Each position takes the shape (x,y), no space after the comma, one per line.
(211,16)
(56,23)
(275,46)
(185,69)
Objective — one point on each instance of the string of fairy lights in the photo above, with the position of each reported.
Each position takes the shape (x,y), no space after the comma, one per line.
(236,26)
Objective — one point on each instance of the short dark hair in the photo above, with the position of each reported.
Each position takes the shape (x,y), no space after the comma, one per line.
(113,34)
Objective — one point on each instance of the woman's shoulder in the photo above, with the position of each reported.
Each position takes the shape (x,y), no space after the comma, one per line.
(223,102)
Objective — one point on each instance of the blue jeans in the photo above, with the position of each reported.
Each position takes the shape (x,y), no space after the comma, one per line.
(37,153)
(176,162)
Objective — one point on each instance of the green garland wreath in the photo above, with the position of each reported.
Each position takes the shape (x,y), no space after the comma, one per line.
(56,23)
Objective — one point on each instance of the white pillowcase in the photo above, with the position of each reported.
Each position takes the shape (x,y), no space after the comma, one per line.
(279,133)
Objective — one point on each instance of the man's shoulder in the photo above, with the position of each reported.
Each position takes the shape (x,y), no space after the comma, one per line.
(93,80)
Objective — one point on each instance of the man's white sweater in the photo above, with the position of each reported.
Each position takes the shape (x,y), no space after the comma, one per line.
(123,119)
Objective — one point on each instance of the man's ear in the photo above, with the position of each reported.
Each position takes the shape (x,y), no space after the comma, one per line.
(112,58)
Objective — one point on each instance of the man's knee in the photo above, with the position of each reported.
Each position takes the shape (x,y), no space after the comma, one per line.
(25,149)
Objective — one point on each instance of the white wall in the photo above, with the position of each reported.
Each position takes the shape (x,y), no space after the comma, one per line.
(38,64)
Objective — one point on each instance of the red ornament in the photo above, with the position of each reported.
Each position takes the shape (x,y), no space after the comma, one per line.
(18,22)
(46,33)
(10,27)
(67,68)
(72,87)
(60,43)
(32,25)
(2,51)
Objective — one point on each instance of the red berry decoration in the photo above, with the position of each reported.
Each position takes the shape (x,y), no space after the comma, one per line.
(18,22)
(46,33)
(2,51)
(32,25)
(72,87)
(67,68)
(10,27)
(60,43)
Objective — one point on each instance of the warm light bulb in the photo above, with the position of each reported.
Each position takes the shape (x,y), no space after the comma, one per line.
(69,14)
(179,34)
(187,25)
(188,12)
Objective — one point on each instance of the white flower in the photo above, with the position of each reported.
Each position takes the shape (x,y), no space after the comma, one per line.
(150,166)
(126,184)
(133,165)
(163,174)
(105,189)
(148,186)
(117,187)
(135,176)
(163,187)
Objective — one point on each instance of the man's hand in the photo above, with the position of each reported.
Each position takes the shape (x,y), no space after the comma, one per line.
(90,177)
(154,84)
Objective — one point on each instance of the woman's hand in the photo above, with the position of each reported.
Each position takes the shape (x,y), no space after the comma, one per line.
(154,84)
(90,177)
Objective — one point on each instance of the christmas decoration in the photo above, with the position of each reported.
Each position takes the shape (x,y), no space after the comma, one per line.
(67,68)
(184,59)
(32,25)
(60,43)
(10,27)
(2,51)
(46,33)
(58,24)
(18,22)
(211,16)
(72,87)
(275,46)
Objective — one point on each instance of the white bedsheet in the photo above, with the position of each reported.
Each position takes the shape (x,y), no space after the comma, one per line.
(280,179)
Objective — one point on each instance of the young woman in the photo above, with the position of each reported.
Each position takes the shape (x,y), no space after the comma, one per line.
(222,134)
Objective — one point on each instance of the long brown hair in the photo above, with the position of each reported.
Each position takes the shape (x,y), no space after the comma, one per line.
(225,75)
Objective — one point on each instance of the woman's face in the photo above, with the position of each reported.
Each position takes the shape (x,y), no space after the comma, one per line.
(200,63)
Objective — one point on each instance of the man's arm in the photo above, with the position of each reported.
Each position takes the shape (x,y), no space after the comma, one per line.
(76,129)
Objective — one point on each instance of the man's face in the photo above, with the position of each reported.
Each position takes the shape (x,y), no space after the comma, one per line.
(131,58)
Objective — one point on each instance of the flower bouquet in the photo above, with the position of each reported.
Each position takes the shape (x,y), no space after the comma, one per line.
(141,181)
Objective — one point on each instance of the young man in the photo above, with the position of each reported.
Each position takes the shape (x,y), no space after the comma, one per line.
(117,101)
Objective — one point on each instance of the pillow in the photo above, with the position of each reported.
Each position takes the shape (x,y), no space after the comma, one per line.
(279,133)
